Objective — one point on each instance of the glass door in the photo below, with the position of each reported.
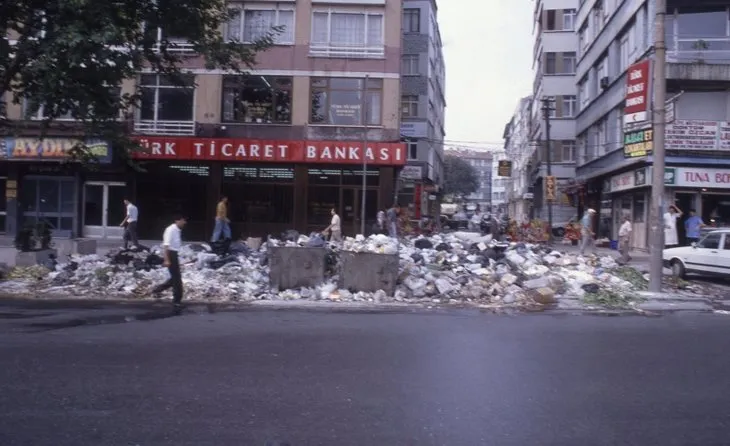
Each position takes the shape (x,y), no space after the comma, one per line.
(350,212)
(49,200)
(103,209)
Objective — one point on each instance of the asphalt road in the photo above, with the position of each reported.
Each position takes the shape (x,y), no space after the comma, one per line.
(140,375)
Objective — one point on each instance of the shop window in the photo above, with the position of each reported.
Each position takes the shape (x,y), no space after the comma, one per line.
(716,210)
(339,101)
(354,177)
(259,194)
(166,107)
(251,25)
(639,208)
(320,200)
(51,201)
(325,176)
(257,99)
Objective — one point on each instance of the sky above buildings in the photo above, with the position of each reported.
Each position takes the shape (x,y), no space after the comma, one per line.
(488,55)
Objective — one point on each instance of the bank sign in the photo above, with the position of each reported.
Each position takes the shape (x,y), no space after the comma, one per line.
(50,149)
(636,109)
(273,151)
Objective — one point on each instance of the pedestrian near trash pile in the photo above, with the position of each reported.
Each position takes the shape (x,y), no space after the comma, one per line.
(624,239)
(130,224)
(171,245)
(222,223)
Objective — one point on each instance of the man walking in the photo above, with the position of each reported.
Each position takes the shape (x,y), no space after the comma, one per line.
(392,218)
(130,224)
(693,225)
(624,240)
(171,244)
(222,224)
(335,228)
(586,230)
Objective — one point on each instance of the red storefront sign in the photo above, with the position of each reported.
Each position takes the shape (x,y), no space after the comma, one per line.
(272,151)
(637,93)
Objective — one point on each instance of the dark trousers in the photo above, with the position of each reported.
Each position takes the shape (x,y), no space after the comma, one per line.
(130,234)
(175,280)
(691,240)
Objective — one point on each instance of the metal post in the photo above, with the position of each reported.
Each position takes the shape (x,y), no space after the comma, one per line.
(656,215)
(364,151)
(547,108)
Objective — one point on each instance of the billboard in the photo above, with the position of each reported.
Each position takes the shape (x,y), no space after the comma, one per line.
(636,110)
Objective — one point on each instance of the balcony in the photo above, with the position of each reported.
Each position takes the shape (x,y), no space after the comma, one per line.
(708,50)
(165,128)
(347,52)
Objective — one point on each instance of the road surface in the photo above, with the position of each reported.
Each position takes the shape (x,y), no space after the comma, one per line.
(88,374)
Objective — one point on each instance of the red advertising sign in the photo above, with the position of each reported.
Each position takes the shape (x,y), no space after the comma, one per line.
(272,151)
(637,93)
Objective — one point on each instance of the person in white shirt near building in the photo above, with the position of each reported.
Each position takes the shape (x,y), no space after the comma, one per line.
(130,224)
(335,227)
(671,238)
(171,244)
(624,240)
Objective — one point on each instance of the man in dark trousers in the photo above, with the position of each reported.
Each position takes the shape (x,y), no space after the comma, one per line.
(130,224)
(171,244)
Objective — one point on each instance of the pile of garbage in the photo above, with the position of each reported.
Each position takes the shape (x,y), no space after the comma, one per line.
(459,267)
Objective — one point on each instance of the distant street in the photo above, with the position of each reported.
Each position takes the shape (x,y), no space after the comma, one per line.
(92,374)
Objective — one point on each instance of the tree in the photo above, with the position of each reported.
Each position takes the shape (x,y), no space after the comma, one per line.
(460,178)
(72,56)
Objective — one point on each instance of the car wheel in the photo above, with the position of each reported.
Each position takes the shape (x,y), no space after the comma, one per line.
(559,232)
(678,269)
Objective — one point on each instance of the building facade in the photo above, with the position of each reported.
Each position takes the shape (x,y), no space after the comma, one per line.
(554,56)
(317,115)
(482,162)
(519,148)
(423,106)
(615,177)
(500,184)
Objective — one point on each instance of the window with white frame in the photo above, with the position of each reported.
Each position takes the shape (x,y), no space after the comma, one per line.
(164,100)
(340,101)
(583,41)
(569,106)
(567,152)
(619,128)
(251,23)
(583,95)
(623,51)
(411,20)
(569,20)
(409,106)
(409,64)
(344,34)
(569,62)
(602,129)
(35,111)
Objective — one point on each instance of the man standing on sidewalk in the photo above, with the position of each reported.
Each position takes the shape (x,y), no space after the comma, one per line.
(624,240)
(693,225)
(171,244)
(222,224)
(335,227)
(392,218)
(586,230)
(130,224)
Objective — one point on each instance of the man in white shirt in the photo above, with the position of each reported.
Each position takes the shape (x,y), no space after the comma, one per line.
(671,239)
(335,227)
(130,224)
(624,240)
(171,244)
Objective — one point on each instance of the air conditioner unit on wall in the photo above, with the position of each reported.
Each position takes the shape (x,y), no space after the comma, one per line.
(604,82)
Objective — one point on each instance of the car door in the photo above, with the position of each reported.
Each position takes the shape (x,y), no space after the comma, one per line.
(723,260)
(705,257)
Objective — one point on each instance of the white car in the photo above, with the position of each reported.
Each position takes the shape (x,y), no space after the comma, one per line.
(710,256)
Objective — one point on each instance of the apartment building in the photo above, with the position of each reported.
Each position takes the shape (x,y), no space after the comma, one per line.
(612,175)
(518,148)
(554,56)
(482,162)
(500,184)
(293,139)
(423,106)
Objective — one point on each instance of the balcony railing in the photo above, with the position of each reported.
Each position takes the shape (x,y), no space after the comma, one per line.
(366,52)
(167,128)
(710,50)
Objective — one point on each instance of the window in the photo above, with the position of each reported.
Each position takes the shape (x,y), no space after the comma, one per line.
(582,40)
(623,51)
(550,22)
(569,20)
(250,25)
(347,34)
(166,107)
(564,152)
(569,106)
(35,111)
(411,20)
(583,95)
(619,128)
(409,64)
(601,72)
(602,129)
(412,150)
(409,106)
(569,63)
(339,101)
(257,99)
(550,63)
(711,241)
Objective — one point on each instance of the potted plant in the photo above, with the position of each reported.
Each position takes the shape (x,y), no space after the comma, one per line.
(700,46)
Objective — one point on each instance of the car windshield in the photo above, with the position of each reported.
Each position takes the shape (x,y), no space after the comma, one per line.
(710,241)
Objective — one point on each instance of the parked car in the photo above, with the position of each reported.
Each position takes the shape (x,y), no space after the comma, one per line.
(710,256)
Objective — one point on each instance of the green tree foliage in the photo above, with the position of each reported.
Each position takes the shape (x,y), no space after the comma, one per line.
(460,178)
(71,56)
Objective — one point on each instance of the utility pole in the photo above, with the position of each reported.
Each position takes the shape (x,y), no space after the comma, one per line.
(364,115)
(547,107)
(656,214)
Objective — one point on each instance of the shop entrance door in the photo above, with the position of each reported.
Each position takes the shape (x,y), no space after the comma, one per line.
(685,202)
(104,209)
(351,210)
(50,200)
